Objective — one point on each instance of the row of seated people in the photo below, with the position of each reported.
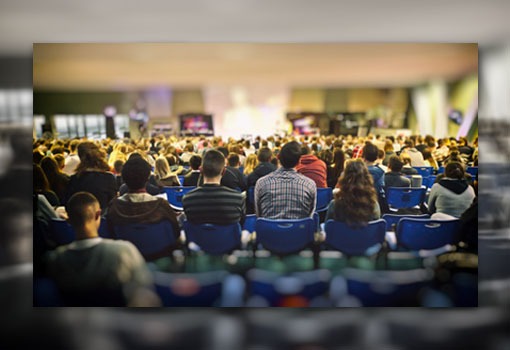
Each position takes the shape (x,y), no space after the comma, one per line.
(282,194)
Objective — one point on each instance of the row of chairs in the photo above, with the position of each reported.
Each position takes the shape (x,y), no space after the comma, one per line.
(283,237)
(426,171)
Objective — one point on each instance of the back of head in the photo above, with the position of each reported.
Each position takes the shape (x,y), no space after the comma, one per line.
(91,156)
(82,208)
(194,162)
(264,154)
(406,159)
(50,166)
(305,150)
(162,168)
(135,173)
(454,170)
(290,154)
(409,143)
(213,163)
(224,151)
(233,159)
(395,164)
(388,146)
(40,181)
(370,152)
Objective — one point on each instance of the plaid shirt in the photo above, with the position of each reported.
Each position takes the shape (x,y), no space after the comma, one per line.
(285,194)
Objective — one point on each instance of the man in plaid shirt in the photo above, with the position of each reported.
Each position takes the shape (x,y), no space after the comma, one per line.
(284,193)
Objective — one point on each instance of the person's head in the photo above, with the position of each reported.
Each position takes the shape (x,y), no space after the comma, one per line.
(135,173)
(233,160)
(409,143)
(73,145)
(380,154)
(37,157)
(305,149)
(250,163)
(91,157)
(213,164)
(370,152)
(194,162)
(84,214)
(50,166)
(454,170)
(223,150)
(61,160)
(118,165)
(395,164)
(388,146)
(356,199)
(406,159)
(326,156)
(41,183)
(290,154)
(264,154)
(162,168)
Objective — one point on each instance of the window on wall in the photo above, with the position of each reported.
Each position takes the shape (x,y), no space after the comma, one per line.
(16,106)
(39,120)
(121,125)
(92,126)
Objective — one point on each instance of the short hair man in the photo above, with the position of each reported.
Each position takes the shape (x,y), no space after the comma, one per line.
(370,154)
(394,177)
(137,206)
(92,271)
(285,193)
(213,203)
(192,178)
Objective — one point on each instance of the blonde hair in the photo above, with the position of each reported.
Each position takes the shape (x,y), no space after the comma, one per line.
(250,164)
(162,168)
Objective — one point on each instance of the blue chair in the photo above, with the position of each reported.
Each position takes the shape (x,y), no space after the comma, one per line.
(472,170)
(405,197)
(214,239)
(324,197)
(215,288)
(284,237)
(366,240)
(393,219)
(249,223)
(426,234)
(424,171)
(152,240)
(387,288)
(440,170)
(181,179)
(174,195)
(296,289)
(61,232)
(429,181)
(251,195)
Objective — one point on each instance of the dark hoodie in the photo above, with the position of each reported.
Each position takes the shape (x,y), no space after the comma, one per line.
(456,186)
(262,169)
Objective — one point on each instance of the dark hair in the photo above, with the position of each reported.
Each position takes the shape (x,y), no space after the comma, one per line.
(338,161)
(380,154)
(356,199)
(290,154)
(60,159)
(223,150)
(454,170)
(213,163)
(395,164)
(77,208)
(409,143)
(305,150)
(41,183)
(118,165)
(194,162)
(37,157)
(50,167)
(264,154)
(326,156)
(91,156)
(135,173)
(233,159)
(370,152)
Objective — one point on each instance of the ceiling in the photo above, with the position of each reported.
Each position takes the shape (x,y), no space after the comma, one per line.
(144,65)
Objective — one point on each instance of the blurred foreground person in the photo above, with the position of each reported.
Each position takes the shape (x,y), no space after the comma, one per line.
(92,271)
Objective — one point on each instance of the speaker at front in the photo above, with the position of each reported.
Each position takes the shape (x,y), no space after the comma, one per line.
(110,128)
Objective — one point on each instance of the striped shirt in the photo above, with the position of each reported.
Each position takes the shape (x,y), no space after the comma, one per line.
(214,204)
(285,194)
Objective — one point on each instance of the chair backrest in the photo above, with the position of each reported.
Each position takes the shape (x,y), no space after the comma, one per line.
(355,241)
(440,170)
(429,181)
(285,236)
(324,197)
(393,219)
(174,195)
(214,239)
(181,179)
(191,289)
(472,170)
(61,232)
(417,234)
(424,170)
(251,194)
(387,288)
(284,290)
(249,223)
(152,240)
(405,197)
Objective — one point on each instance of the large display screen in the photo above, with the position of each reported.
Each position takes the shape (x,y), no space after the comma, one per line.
(196,124)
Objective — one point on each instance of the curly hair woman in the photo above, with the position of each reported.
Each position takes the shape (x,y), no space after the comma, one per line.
(356,201)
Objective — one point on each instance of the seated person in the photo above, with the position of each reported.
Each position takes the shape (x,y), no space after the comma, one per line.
(312,167)
(264,167)
(394,177)
(356,202)
(407,169)
(452,195)
(151,187)
(192,178)
(164,176)
(233,178)
(92,271)
(137,206)
(213,203)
